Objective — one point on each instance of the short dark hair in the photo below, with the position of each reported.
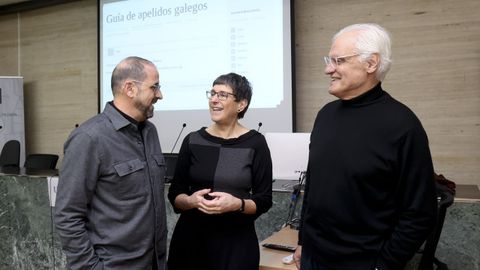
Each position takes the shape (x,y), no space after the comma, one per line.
(132,67)
(241,88)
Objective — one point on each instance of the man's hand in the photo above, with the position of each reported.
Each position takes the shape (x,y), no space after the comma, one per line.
(297,255)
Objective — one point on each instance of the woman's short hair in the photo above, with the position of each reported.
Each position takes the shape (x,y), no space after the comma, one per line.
(241,88)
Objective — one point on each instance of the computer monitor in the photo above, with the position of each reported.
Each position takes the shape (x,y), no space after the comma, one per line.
(289,152)
(170,164)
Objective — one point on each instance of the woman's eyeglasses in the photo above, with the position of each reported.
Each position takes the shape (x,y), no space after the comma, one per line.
(222,95)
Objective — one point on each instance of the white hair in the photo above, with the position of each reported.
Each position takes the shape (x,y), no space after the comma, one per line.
(372,38)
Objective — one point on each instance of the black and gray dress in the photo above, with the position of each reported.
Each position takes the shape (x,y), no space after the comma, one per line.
(242,167)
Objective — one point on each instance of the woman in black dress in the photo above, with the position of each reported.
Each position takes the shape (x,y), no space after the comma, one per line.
(222,183)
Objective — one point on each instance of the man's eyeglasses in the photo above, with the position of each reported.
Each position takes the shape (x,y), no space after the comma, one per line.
(222,95)
(338,60)
(156,87)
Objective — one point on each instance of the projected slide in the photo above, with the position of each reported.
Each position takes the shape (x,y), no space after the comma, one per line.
(193,42)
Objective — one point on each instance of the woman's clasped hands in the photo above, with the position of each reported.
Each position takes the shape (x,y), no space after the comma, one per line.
(214,202)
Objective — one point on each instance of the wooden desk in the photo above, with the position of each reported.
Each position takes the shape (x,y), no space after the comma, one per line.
(271,259)
(467,199)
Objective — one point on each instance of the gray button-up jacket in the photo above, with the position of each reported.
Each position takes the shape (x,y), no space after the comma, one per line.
(110,208)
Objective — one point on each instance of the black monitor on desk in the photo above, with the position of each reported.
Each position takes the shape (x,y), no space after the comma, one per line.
(289,152)
(170,164)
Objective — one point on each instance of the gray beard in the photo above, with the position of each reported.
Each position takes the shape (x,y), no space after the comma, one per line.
(147,111)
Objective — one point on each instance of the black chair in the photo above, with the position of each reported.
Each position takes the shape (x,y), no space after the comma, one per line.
(10,156)
(41,161)
(428,258)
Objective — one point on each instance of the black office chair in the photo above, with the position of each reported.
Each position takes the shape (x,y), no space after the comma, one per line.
(10,155)
(428,258)
(41,161)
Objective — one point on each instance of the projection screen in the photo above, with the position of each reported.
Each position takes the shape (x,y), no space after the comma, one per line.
(192,43)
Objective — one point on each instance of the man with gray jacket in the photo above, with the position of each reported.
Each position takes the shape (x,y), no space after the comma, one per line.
(110,208)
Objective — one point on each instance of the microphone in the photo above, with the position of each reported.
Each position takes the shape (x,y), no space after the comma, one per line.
(175,144)
(259,125)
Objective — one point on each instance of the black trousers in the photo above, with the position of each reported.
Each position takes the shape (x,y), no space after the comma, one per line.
(307,262)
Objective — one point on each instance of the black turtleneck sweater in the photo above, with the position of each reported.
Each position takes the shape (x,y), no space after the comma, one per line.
(370,197)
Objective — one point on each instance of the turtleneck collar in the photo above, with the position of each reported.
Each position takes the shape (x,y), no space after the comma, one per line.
(366,98)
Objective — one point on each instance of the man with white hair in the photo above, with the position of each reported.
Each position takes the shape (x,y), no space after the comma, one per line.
(370,199)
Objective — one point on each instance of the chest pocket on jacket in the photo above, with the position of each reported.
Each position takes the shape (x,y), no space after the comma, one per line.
(131,183)
(161,170)
(159,159)
(128,167)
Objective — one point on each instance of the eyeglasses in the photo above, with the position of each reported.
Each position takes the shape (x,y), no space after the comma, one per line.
(156,87)
(222,95)
(338,60)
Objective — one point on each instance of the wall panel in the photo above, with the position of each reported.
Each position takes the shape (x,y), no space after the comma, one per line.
(59,64)
(436,69)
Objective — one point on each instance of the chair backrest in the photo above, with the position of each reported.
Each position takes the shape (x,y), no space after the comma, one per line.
(10,155)
(41,161)
(428,257)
